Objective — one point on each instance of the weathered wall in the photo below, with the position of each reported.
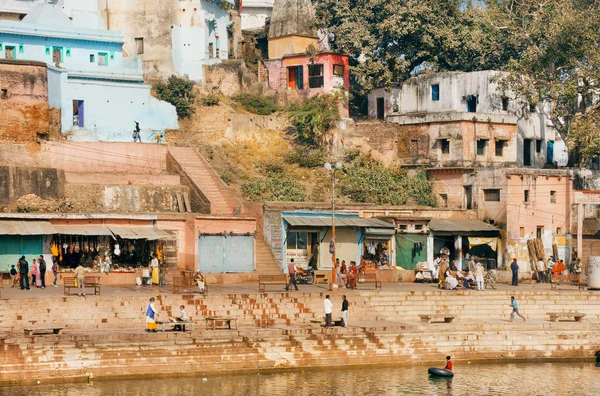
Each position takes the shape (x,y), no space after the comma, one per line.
(24,105)
(123,199)
(47,183)
(225,77)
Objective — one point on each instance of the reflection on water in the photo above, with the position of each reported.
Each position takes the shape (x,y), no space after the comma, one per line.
(481,379)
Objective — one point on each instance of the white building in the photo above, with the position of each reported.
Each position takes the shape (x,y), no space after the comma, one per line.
(255,13)
(452,96)
(100,92)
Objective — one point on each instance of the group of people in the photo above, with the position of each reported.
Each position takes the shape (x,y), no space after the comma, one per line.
(475,273)
(152,316)
(548,269)
(328,305)
(20,273)
(348,276)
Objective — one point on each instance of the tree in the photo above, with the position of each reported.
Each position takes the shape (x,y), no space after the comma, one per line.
(313,117)
(179,91)
(558,63)
(387,40)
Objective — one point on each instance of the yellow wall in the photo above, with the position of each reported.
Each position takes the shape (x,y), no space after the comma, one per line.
(278,47)
(346,247)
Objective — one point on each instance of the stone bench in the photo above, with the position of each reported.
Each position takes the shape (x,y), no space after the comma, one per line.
(43,330)
(264,280)
(567,280)
(555,316)
(178,323)
(437,318)
(220,323)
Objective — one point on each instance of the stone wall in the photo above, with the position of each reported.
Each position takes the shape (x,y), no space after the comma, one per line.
(15,182)
(23,101)
(225,77)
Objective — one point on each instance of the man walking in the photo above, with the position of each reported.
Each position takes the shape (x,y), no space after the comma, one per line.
(136,133)
(515,309)
(514,267)
(292,269)
(345,310)
(328,310)
(479,276)
(24,271)
(549,269)
(80,276)
(42,265)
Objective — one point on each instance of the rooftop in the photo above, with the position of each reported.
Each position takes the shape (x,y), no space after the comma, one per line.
(292,18)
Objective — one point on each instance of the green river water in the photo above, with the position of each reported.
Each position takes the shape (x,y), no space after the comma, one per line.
(565,378)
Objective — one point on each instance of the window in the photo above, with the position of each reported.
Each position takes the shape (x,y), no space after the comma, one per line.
(139,45)
(472,103)
(435,92)
(522,232)
(102,59)
(338,70)
(402,227)
(10,53)
(481,143)
(552,196)
(445,146)
(539,232)
(56,55)
(211,50)
(4,94)
(499,148)
(558,231)
(21,48)
(504,104)
(538,146)
(413,147)
(527,152)
(315,76)
(444,200)
(419,227)
(297,240)
(525,195)
(92,58)
(491,195)
(532,107)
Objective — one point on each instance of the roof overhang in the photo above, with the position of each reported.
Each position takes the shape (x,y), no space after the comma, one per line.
(462,227)
(10,227)
(319,221)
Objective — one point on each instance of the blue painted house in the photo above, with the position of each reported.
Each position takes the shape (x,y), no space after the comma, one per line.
(100,92)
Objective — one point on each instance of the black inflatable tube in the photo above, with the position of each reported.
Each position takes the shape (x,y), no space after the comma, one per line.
(438,372)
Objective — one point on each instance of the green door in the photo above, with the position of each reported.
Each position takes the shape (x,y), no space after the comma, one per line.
(410,250)
(12,247)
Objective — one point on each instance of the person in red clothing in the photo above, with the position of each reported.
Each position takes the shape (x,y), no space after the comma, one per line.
(448,364)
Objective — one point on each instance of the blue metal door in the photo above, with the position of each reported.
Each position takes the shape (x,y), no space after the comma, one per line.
(210,253)
(239,253)
(550,152)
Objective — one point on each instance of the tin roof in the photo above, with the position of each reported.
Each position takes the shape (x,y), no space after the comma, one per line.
(26,228)
(309,221)
(461,226)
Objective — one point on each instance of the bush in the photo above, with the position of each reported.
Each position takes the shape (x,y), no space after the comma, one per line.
(271,167)
(210,100)
(307,157)
(179,92)
(257,104)
(313,117)
(226,177)
(277,188)
(366,180)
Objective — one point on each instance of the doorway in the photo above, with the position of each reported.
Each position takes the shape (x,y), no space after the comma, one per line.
(313,249)
(56,55)
(295,77)
(472,103)
(78,120)
(527,152)
(468,197)
(380,109)
(550,152)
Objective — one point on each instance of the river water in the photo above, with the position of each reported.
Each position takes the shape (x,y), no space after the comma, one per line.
(542,379)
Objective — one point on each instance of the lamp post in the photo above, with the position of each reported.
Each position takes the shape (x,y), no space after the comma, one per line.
(332,169)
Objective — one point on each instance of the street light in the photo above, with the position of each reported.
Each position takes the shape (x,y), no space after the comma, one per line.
(332,169)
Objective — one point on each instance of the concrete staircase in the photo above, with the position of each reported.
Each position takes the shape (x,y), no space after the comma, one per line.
(199,172)
(265,262)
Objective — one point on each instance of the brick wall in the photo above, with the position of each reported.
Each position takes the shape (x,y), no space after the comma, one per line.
(23,101)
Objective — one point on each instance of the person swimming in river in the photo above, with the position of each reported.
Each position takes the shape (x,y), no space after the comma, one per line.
(448,363)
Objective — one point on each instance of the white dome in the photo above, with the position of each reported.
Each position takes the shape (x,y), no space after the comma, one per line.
(47,15)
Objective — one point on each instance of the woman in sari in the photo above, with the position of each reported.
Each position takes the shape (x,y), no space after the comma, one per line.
(35,274)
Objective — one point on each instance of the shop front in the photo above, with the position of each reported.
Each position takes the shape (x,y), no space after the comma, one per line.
(21,238)
(307,237)
(457,238)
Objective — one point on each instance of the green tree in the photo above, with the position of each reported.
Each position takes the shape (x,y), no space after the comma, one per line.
(179,91)
(313,117)
(557,63)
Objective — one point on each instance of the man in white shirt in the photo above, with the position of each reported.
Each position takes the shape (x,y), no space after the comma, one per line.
(541,268)
(328,310)
(479,275)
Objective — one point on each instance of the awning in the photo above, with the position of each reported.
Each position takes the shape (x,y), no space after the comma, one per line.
(380,231)
(492,242)
(83,230)
(462,227)
(8,227)
(140,233)
(313,221)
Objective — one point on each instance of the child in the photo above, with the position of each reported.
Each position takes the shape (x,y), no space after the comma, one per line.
(515,309)
(448,363)
(13,276)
